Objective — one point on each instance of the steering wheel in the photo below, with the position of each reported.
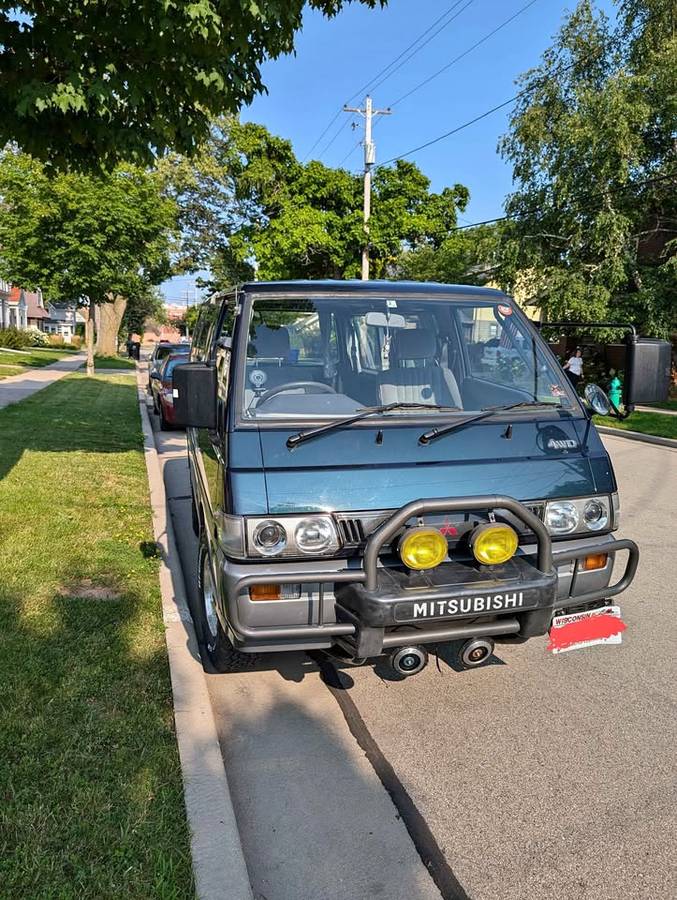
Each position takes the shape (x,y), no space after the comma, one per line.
(318,387)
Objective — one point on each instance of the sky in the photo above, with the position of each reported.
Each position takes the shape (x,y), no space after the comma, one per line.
(337,59)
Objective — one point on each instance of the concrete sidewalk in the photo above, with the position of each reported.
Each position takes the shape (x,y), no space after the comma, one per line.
(18,387)
(655,409)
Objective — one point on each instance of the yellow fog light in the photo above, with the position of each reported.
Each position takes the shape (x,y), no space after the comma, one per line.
(422,548)
(493,544)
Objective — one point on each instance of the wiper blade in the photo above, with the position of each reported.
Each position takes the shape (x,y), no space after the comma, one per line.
(295,439)
(488,411)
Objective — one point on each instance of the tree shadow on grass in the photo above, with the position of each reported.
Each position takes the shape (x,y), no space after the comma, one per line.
(92,800)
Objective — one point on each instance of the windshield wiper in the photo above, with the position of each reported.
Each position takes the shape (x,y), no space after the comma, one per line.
(487,411)
(295,439)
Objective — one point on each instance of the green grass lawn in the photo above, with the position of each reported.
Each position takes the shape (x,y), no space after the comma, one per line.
(36,356)
(657,424)
(113,362)
(6,371)
(91,800)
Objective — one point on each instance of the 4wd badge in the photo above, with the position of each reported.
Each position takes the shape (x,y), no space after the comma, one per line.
(562,444)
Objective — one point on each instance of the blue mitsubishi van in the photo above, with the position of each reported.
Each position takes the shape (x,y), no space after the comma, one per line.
(382,467)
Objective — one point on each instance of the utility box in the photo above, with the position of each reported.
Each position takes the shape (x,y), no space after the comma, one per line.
(648,375)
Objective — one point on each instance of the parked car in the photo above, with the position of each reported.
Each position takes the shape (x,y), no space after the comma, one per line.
(366,480)
(160,353)
(162,389)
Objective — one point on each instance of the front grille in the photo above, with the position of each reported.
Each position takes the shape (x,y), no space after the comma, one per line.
(352,531)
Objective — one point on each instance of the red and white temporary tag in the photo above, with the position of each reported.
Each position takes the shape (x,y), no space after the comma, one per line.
(585,629)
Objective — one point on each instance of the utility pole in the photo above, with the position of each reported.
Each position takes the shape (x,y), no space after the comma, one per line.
(369,159)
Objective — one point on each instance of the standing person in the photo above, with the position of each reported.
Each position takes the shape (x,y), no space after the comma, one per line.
(574,367)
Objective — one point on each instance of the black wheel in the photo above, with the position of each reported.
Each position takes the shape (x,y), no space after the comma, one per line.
(164,424)
(223,657)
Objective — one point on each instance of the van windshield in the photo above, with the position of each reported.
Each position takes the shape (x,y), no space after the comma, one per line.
(329,357)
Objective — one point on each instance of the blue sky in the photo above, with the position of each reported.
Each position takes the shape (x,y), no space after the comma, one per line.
(335,58)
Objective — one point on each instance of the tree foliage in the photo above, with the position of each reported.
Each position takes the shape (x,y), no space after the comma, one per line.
(465,256)
(91,84)
(593,154)
(83,236)
(248,205)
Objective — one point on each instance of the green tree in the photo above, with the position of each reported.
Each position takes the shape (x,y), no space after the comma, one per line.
(248,205)
(595,164)
(98,83)
(146,303)
(96,240)
(465,256)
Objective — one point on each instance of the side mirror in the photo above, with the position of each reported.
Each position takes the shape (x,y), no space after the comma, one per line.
(155,376)
(648,371)
(597,399)
(194,388)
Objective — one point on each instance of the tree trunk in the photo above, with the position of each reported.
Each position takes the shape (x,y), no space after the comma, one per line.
(110,318)
(89,337)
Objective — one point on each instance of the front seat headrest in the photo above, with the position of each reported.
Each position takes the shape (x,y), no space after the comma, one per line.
(415,343)
(270,342)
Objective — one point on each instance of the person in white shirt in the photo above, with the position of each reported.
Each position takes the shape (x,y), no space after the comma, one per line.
(574,367)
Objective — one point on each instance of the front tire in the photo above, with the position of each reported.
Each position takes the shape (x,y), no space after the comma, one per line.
(222,656)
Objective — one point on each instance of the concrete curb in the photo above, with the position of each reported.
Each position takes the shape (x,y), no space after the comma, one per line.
(218,861)
(638,436)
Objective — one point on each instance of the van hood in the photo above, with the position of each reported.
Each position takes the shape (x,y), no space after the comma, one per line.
(367,468)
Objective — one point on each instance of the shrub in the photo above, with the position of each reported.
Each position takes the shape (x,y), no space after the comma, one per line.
(38,338)
(14,339)
(56,340)
(76,341)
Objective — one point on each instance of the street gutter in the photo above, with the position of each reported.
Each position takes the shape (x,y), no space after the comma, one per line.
(218,861)
(638,436)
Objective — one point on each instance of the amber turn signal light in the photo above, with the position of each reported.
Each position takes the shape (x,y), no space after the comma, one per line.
(265,592)
(594,561)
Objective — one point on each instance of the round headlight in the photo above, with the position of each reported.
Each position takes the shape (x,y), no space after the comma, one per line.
(270,538)
(423,548)
(314,535)
(595,515)
(493,544)
(561,517)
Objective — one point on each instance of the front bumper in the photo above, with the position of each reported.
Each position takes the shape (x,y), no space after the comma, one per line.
(369,608)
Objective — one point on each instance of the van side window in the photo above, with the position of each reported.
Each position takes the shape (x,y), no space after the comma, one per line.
(205,330)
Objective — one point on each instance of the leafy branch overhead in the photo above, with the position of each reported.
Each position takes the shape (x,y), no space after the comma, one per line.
(90,84)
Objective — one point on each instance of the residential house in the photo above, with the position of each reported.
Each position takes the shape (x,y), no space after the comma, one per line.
(63,319)
(14,308)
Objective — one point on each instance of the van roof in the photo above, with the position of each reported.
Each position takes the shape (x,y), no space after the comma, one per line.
(378,287)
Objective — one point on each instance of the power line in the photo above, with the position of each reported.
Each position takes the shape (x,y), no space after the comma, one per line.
(369,84)
(655,179)
(421,46)
(527,90)
(366,86)
(458,128)
(465,52)
(331,122)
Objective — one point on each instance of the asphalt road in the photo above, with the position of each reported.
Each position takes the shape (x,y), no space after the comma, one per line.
(537,776)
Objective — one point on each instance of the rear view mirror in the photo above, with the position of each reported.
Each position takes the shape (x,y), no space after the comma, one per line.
(194,387)
(383,320)
(597,399)
(648,371)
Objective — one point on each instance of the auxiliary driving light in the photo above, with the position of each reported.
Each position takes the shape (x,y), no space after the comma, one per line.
(423,548)
(493,544)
